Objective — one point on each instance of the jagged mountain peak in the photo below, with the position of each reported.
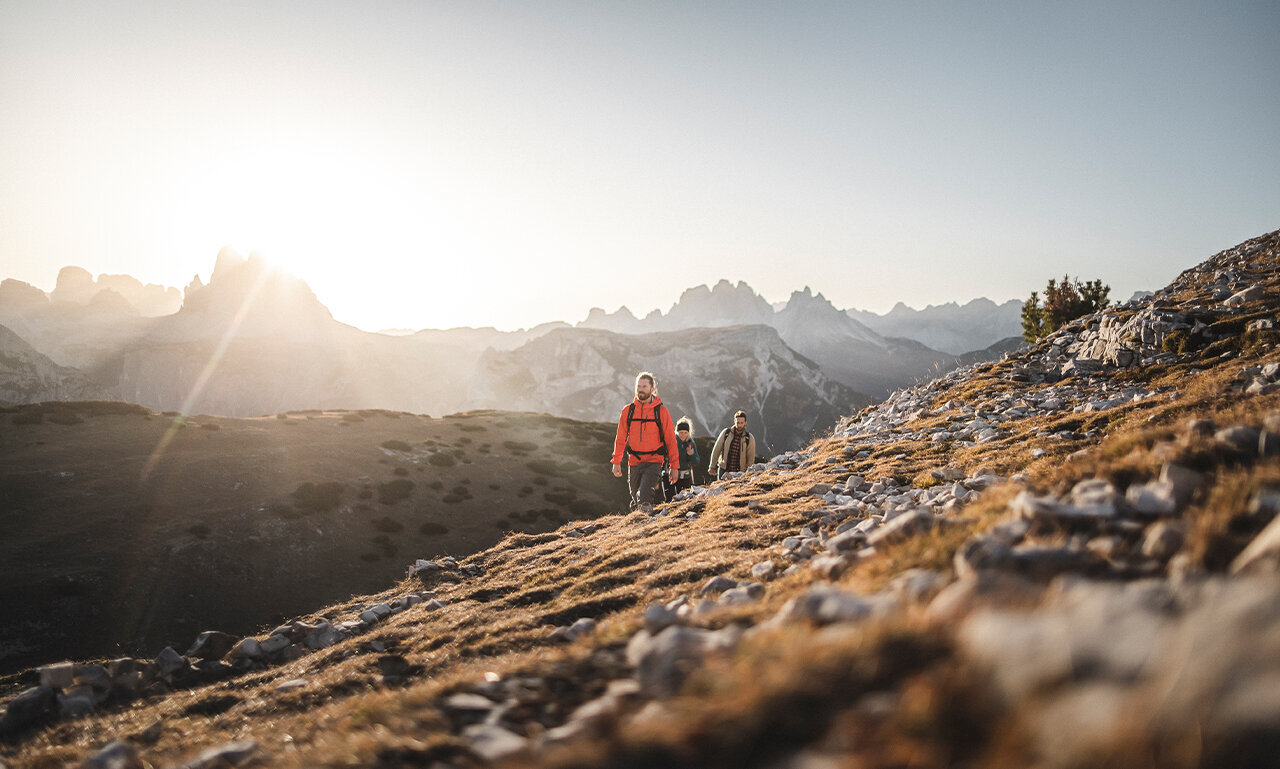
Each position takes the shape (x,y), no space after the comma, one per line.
(74,284)
(806,297)
(725,304)
(19,295)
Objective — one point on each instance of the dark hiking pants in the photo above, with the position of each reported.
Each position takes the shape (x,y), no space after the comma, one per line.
(641,480)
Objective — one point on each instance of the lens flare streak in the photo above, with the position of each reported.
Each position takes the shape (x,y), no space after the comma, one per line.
(205,375)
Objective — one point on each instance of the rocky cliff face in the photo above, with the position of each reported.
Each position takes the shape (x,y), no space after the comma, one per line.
(851,353)
(707,374)
(26,376)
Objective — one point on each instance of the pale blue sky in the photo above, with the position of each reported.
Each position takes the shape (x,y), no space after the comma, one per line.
(430,164)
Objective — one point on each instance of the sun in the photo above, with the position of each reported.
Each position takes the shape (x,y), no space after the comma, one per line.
(303,203)
(324,211)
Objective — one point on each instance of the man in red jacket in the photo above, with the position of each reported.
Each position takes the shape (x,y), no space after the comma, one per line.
(648,437)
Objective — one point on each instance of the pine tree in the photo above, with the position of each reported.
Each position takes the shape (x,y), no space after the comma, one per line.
(1063,302)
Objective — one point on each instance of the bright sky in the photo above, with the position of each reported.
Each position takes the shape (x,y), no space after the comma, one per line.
(431,164)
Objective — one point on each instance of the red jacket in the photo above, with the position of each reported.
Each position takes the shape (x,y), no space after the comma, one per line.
(644,435)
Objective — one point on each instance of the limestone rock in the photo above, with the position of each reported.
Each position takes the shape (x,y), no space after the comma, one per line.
(211,644)
(232,754)
(494,743)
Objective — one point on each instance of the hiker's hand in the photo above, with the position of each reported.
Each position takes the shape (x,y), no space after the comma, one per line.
(617,471)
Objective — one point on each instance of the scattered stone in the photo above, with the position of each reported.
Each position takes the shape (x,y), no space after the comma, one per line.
(120,754)
(247,648)
(1155,498)
(981,589)
(232,754)
(1240,438)
(494,743)
(1186,482)
(717,585)
(902,528)
(33,707)
(169,661)
(1163,540)
(829,566)
(824,604)
(58,676)
(275,643)
(948,474)
(658,617)
(212,645)
(982,553)
(739,596)
(663,661)
(585,626)
(469,702)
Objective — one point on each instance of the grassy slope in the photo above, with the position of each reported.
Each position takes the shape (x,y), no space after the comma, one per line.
(883,693)
(95,558)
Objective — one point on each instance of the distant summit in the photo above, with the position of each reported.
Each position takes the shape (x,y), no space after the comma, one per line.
(950,327)
(725,304)
(75,285)
(866,352)
(258,299)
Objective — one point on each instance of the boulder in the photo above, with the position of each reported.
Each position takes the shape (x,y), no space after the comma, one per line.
(169,661)
(212,645)
(494,743)
(902,528)
(34,707)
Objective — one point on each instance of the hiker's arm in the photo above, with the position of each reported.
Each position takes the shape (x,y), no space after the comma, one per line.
(619,444)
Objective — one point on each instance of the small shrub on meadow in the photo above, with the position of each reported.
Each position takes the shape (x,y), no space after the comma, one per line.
(317,497)
(388,524)
(395,491)
(442,460)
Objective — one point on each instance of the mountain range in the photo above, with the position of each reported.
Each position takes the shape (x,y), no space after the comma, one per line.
(254,341)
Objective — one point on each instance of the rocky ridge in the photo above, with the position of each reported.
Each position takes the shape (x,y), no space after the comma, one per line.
(1064,558)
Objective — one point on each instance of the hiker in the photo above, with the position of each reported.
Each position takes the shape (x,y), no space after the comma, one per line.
(735,449)
(648,439)
(689,457)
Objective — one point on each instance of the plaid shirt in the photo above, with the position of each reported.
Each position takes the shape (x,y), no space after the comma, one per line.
(734,454)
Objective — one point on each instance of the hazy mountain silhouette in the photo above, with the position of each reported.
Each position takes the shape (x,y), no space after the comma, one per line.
(950,327)
(254,341)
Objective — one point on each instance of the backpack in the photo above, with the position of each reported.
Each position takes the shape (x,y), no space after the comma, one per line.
(631,412)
